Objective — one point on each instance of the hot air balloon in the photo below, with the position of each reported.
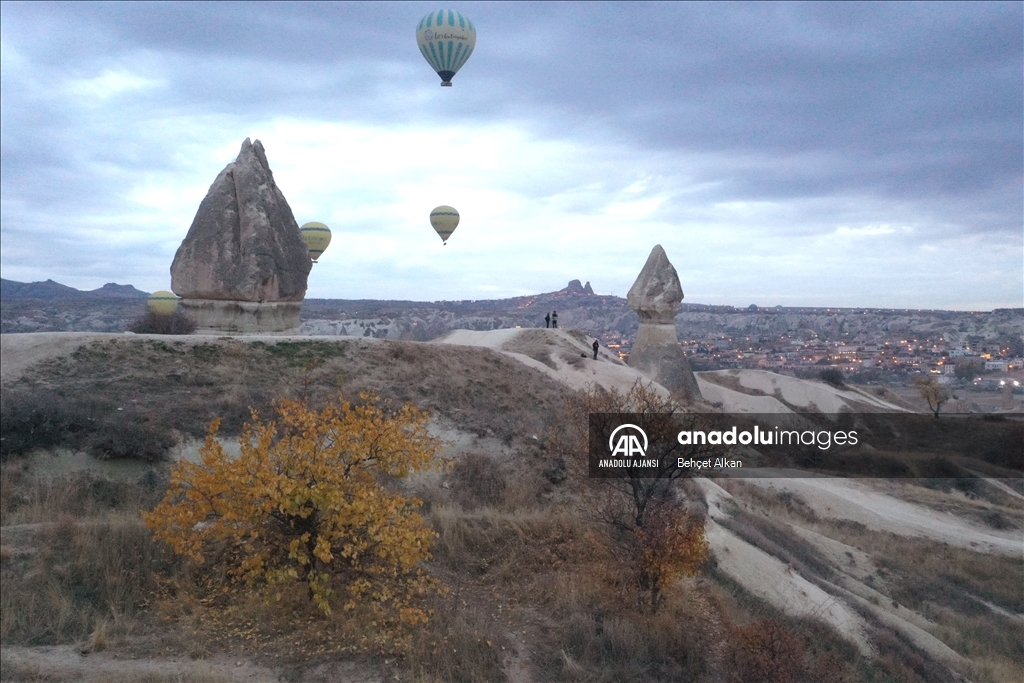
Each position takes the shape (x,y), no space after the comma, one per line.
(316,236)
(446,39)
(444,219)
(163,302)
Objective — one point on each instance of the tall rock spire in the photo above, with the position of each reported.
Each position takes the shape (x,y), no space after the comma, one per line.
(655,296)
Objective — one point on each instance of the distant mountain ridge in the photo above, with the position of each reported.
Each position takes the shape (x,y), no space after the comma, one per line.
(10,289)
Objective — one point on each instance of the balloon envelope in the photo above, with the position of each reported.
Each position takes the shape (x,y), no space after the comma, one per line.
(316,236)
(163,302)
(444,219)
(446,39)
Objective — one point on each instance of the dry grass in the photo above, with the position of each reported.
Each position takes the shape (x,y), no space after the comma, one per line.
(28,498)
(158,388)
(27,673)
(81,581)
(950,586)
(590,636)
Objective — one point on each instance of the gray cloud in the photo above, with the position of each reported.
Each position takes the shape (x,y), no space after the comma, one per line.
(846,113)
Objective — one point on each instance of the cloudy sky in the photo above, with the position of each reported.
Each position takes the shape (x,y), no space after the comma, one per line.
(799,154)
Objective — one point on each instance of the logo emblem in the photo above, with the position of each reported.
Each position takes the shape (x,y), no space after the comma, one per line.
(428,35)
(628,443)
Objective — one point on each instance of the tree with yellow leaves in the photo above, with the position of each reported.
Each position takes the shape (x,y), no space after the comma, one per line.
(306,501)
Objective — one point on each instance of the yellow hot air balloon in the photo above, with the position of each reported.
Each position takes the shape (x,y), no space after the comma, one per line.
(446,39)
(444,219)
(163,302)
(316,236)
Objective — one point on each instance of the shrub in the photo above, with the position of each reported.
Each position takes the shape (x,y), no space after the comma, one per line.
(43,419)
(36,420)
(833,377)
(162,323)
(305,502)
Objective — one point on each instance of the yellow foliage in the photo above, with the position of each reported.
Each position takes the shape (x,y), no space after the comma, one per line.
(305,501)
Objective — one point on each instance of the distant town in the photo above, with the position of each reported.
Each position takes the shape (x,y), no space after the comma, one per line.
(970,350)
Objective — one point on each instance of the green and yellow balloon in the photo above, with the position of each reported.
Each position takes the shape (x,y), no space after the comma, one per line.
(163,302)
(316,236)
(444,219)
(446,39)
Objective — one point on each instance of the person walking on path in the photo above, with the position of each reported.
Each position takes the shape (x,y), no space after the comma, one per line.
(547,321)
(596,347)
(554,319)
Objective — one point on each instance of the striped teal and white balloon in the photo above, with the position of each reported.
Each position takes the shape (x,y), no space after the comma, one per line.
(446,39)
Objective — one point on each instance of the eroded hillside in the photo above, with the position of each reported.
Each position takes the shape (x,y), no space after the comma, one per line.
(822,579)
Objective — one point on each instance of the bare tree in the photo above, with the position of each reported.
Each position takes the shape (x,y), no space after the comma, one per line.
(646,526)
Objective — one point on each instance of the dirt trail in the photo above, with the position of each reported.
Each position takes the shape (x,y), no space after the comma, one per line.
(64,662)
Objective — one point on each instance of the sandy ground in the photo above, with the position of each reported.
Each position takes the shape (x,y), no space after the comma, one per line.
(572,359)
(733,401)
(857,501)
(778,584)
(797,392)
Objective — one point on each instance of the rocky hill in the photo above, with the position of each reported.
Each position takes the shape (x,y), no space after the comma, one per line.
(49,290)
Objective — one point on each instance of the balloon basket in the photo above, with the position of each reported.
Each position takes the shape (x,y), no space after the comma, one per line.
(446,85)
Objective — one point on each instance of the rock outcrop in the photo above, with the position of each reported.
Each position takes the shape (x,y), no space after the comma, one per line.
(243,265)
(576,287)
(655,296)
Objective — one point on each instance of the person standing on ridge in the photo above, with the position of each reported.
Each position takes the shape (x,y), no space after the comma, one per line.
(547,321)
(596,347)
(554,319)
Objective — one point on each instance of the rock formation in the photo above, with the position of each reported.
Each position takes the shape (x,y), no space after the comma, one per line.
(575,287)
(243,265)
(655,296)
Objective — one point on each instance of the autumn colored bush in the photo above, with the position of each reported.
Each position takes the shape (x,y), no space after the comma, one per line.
(307,501)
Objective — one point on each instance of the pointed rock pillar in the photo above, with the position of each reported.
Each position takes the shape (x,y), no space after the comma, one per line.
(655,296)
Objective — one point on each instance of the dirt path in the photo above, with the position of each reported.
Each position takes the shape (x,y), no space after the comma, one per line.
(65,663)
